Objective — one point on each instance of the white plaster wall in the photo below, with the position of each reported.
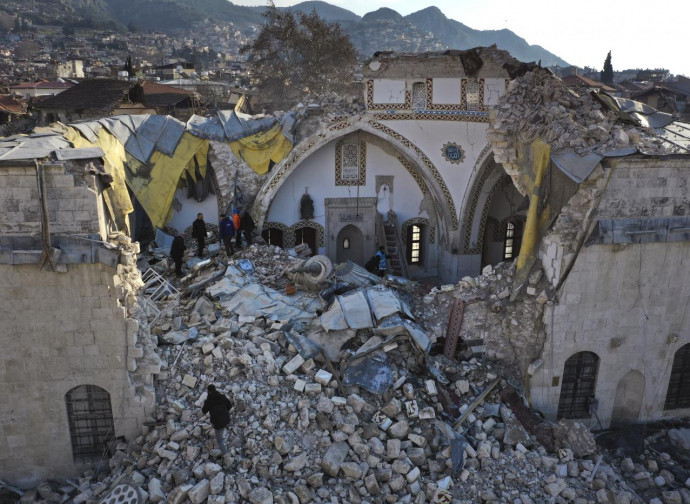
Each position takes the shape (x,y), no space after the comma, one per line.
(447,91)
(389,91)
(317,173)
(191,207)
(430,136)
(621,303)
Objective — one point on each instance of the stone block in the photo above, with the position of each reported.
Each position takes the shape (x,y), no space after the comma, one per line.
(293,365)
(189,381)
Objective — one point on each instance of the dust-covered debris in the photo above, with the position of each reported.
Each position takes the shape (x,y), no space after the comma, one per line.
(299,433)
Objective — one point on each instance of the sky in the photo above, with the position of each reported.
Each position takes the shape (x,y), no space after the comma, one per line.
(638,34)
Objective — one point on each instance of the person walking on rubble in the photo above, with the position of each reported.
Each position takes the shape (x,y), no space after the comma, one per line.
(237,222)
(218,406)
(226,230)
(247,227)
(383,261)
(177,253)
(199,232)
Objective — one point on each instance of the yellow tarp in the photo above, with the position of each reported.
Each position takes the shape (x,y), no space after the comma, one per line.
(533,160)
(155,183)
(260,149)
(116,196)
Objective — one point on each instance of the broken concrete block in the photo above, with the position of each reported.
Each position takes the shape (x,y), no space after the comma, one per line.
(308,365)
(200,492)
(339,401)
(293,365)
(323,377)
(412,409)
(189,381)
(413,475)
(208,348)
(431,387)
(261,495)
(427,413)
(334,457)
(299,385)
(312,388)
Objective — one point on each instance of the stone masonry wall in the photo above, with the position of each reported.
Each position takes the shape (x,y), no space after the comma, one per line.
(71,194)
(60,331)
(627,303)
(83,325)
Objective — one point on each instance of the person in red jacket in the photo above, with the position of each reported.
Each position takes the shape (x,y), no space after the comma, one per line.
(218,406)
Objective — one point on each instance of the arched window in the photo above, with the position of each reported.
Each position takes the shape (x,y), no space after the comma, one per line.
(512,239)
(578,385)
(678,394)
(90,420)
(415,248)
(273,236)
(307,235)
(419,96)
(472,95)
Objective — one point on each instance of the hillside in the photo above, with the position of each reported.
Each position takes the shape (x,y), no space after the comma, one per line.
(380,30)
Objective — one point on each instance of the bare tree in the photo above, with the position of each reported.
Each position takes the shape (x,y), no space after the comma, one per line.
(296,54)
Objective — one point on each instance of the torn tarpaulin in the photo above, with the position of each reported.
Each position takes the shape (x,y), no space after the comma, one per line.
(374,374)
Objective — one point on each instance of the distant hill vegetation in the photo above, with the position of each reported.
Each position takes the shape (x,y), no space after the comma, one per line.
(380,30)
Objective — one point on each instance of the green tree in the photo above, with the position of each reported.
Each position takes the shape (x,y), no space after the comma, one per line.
(607,72)
(295,54)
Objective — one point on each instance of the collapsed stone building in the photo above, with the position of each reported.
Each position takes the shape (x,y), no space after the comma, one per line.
(455,163)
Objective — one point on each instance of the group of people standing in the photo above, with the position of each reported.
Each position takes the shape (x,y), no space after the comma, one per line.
(227,229)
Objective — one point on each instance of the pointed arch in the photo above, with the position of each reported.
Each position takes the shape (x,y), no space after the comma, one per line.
(419,165)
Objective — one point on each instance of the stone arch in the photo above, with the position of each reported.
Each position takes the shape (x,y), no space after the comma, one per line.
(485,177)
(320,232)
(629,396)
(422,166)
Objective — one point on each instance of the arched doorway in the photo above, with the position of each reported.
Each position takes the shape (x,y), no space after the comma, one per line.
(578,385)
(350,245)
(273,236)
(628,402)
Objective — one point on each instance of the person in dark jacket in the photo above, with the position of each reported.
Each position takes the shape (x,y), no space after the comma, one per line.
(177,253)
(199,232)
(383,261)
(247,227)
(237,222)
(218,406)
(226,230)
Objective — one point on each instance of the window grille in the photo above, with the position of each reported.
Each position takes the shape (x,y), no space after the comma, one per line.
(578,385)
(419,96)
(508,247)
(678,394)
(414,244)
(90,420)
(472,95)
(273,236)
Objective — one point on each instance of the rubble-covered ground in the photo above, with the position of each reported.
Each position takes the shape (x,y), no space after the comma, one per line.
(299,434)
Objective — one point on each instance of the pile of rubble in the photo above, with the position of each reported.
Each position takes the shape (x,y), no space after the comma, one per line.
(339,402)
(539,105)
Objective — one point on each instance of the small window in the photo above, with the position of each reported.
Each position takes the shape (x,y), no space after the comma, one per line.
(579,382)
(90,421)
(346,243)
(273,236)
(472,95)
(414,244)
(678,394)
(511,240)
(419,96)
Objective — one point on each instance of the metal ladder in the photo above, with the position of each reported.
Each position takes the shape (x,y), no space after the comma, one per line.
(156,289)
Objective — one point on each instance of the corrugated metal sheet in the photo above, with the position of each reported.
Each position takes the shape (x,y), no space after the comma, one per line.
(576,167)
(81,153)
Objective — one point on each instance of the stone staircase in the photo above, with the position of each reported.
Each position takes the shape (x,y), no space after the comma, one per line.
(392,249)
